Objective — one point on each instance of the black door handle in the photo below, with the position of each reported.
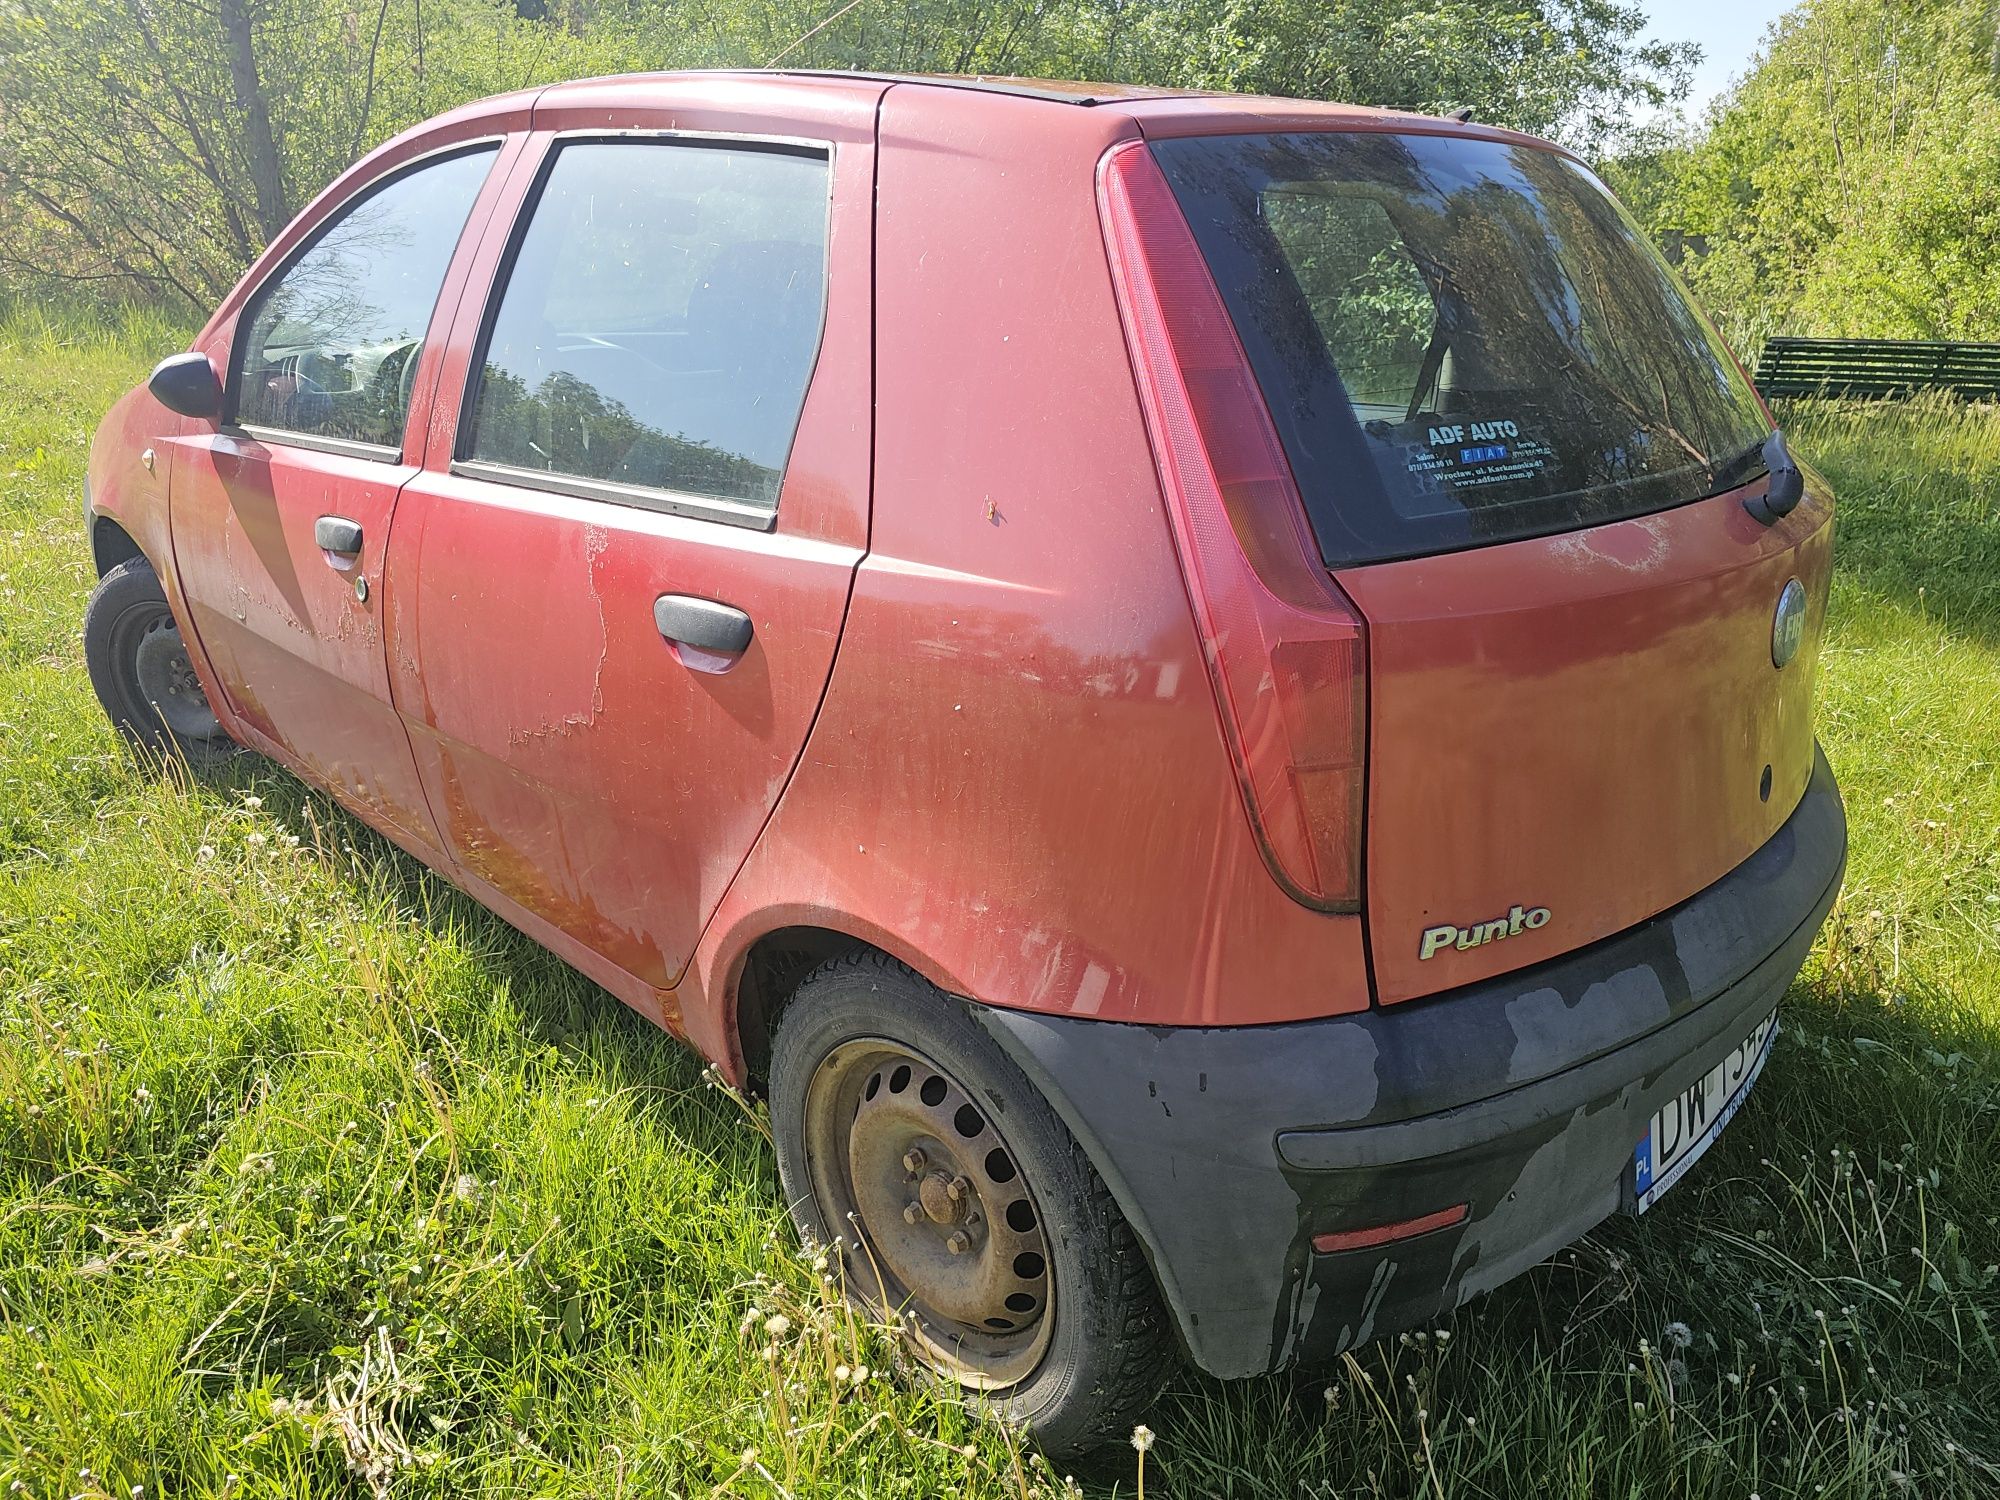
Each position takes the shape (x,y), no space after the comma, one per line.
(703,624)
(338,535)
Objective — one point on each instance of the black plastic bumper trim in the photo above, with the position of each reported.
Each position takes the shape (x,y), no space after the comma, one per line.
(1227,1147)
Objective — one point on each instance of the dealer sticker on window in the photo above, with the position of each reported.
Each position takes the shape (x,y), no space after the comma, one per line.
(1687,1124)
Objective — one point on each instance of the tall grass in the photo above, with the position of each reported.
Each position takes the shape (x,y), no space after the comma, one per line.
(316,1179)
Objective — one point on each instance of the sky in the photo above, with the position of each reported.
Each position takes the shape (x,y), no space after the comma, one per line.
(1728,31)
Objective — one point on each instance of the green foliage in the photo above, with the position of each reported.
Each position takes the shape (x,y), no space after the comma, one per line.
(1850,184)
(316,1180)
(160,146)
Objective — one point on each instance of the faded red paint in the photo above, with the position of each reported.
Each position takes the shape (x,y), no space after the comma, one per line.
(1611,707)
(975,726)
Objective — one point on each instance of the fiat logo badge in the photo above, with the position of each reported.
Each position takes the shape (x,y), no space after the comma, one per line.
(1788,624)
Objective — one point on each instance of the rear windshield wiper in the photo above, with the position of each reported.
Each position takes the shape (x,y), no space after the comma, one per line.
(1741,467)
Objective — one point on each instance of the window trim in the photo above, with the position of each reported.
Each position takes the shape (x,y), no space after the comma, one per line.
(640,497)
(717,508)
(252,303)
(380,453)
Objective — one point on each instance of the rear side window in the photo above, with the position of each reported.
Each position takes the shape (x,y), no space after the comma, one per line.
(657,330)
(330,348)
(1461,341)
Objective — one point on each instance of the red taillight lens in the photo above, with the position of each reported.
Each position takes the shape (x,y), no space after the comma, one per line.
(1285,647)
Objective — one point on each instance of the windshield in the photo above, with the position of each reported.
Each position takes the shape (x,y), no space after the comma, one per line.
(1461,341)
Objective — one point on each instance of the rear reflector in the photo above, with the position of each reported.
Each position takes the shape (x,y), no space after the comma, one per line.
(1285,648)
(1384,1234)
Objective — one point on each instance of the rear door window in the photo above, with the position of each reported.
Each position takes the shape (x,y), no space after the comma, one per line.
(1462,341)
(657,329)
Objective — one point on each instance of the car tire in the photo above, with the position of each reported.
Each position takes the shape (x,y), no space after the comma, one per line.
(139,666)
(883,1087)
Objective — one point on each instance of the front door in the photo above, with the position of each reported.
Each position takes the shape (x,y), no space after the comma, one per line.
(280,515)
(617,588)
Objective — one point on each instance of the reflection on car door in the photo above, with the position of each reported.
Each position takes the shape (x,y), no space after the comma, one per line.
(617,588)
(280,515)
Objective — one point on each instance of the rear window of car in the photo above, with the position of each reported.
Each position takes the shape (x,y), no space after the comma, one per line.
(1461,341)
(657,330)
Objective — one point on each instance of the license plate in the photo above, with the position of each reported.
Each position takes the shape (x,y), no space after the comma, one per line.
(1687,1124)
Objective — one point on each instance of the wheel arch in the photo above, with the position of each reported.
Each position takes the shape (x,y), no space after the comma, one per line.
(759,967)
(111,544)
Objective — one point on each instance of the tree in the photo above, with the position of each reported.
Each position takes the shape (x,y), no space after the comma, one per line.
(1850,184)
(160,144)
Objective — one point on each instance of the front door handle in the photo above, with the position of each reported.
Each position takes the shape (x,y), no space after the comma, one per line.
(703,624)
(338,537)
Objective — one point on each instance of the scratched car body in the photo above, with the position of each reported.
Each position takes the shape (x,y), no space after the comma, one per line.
(1213,695)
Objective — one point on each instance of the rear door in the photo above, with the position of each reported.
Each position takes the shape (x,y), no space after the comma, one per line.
(331,361)
(618,584)
(1524,457)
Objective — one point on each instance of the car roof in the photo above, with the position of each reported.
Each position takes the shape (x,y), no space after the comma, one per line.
(1052,90)
(1156,111)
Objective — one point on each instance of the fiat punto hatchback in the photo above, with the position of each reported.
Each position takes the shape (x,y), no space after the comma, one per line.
(1211,696)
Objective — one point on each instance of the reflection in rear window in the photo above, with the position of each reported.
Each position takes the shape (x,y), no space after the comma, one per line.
(1461,341)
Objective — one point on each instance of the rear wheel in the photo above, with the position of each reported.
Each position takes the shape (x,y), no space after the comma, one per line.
(964,1209)
(139,666)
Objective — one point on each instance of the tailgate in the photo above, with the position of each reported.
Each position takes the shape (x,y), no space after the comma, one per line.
(1571,733)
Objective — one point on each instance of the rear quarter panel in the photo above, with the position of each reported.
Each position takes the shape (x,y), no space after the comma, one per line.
(1018,782)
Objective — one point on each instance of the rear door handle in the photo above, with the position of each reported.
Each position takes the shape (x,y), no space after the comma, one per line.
(703,624)
(338,537)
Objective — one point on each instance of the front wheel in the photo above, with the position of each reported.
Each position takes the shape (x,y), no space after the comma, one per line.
(965,1211)
(139,666)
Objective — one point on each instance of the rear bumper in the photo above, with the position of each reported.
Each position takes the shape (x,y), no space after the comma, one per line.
(1229,1148)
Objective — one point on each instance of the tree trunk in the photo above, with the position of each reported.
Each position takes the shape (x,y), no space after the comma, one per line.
(267,170)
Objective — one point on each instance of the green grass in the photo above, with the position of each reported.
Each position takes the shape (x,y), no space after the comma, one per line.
(315,1179)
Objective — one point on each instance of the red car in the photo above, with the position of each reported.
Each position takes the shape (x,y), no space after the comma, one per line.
(1211,696)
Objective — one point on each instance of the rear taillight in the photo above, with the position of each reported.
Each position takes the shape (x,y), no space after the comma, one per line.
(1285,647)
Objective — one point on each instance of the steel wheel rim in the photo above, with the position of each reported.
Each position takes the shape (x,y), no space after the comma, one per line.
(165,677)
(902,1161)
